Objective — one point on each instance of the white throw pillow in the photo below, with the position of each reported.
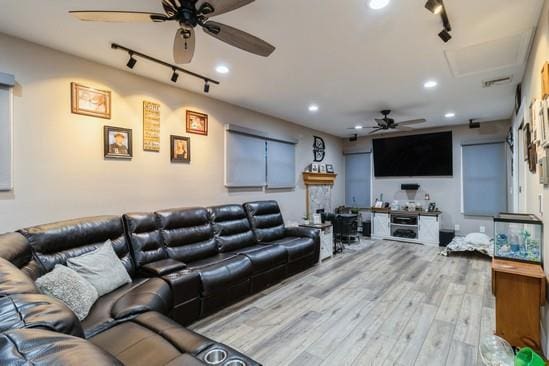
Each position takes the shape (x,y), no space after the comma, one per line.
(68,286)
(477,239)
(102,268)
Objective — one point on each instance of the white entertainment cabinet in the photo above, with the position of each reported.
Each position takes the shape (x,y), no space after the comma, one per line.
(420,226)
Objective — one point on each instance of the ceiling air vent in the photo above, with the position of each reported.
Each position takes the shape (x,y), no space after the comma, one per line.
(497,82)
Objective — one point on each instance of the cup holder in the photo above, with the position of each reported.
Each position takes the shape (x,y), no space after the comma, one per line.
(216,356)
(236,362)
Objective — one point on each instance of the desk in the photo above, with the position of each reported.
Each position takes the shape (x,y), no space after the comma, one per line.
(520,292)
(326,239)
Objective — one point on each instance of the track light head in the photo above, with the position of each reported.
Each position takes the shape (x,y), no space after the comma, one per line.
(445,36)
(434,6)
(473,124)
(131,62)
(175,76)
(206,87)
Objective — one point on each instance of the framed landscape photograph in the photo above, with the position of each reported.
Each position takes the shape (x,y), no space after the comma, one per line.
(90,102)
(329,168)
(118,143)
(197,123)
(180,150)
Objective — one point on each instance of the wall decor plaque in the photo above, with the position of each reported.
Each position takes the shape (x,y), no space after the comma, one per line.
(151,126)
(319,149)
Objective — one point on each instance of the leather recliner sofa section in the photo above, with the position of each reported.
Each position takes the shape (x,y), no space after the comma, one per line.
(184,264)
(302,244)
(53,244)
(38,330)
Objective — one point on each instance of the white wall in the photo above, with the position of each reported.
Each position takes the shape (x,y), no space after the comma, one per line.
(60,171)
(445,191)
(531,88)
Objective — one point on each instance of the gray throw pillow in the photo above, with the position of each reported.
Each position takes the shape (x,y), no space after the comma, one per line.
(102,268)
(68,286)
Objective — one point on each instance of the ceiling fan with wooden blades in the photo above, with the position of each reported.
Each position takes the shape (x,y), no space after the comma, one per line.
(189,14)
(387,123)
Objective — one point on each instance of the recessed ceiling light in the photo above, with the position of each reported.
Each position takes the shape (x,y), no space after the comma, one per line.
(379,4)
(222,69)
(313,108)
(358,127)
(430,84)
(450,115)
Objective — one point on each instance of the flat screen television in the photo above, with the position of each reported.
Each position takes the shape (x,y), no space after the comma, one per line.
(414,156)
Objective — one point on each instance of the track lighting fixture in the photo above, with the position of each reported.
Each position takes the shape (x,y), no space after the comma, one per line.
(445,36)
(434,6)
(176,70)
(132,61)
(437,7)
(175,76)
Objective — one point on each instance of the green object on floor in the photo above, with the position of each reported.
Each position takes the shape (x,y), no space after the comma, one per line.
(527,357)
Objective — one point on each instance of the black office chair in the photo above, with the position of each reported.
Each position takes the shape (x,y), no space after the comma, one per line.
(348,229)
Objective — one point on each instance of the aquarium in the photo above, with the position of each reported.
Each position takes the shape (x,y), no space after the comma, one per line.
(518,237)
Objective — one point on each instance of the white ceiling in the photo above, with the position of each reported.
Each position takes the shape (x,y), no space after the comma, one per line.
(350,60)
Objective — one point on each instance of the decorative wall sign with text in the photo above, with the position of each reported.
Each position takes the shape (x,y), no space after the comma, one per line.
(319,149)
(151,126)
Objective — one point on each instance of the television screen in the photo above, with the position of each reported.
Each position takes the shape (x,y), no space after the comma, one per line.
(414,156)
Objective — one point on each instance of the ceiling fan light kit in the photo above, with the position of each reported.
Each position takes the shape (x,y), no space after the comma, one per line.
(189,14)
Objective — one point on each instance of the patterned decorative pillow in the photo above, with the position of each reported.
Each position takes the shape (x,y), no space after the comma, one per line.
(68,286)
(102,268)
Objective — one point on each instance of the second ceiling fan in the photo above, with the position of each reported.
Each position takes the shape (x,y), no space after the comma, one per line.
(387,123)
(189,14)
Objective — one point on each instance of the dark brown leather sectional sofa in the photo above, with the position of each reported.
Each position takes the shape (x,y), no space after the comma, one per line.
(185,264)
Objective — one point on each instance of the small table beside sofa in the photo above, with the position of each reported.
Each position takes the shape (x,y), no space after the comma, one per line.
(184,265)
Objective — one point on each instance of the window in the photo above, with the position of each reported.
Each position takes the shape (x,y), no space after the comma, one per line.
(6,124)
(280,165)
(358,172)
(484,179)
(255,159)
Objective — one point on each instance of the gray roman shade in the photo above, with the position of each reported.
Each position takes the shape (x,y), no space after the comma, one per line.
(257,159)
(484,177)
(358,173)
(245,160)
(280,165)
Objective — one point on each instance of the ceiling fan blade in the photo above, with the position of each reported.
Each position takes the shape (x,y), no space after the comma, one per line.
(238,38)
(183,45)
(169,7)
(376,130)
(118,16)
(413,122)
(222,6)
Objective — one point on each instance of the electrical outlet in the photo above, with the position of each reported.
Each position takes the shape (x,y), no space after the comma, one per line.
(457,227)
(483,229)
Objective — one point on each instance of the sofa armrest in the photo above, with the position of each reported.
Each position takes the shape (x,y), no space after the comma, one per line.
(185,285)
(303,232)
(162,267)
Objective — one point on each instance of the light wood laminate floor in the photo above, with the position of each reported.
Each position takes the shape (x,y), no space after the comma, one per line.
(379,303)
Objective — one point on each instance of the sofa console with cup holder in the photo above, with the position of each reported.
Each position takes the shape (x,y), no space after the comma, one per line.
(182,265)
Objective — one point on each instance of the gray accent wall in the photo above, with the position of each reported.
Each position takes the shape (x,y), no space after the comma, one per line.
(60,172)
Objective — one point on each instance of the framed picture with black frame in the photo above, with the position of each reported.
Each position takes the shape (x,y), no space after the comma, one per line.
(180,149)
(117,143)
